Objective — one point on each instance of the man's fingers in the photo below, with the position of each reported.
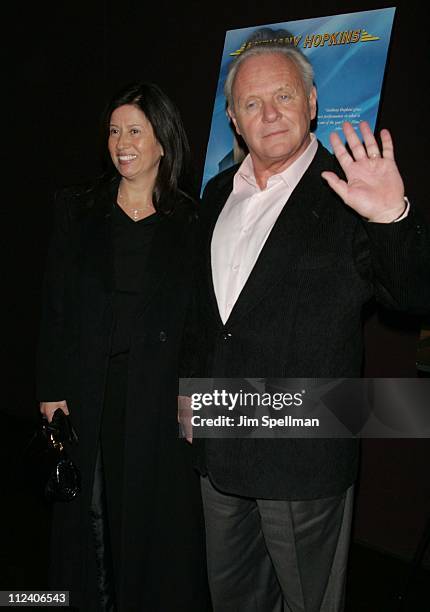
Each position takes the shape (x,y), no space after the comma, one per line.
(368,149)
(353,141)
(339,149)
(337,184)
(372,147)
(387,144)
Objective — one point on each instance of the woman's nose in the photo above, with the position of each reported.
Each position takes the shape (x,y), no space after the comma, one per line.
(123,140)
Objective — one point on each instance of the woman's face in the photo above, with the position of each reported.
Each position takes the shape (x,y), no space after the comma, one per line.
(134,150)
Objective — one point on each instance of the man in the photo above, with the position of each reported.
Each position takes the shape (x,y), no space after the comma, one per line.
(286,270)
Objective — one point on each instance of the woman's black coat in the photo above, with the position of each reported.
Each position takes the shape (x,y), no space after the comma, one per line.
(162,541)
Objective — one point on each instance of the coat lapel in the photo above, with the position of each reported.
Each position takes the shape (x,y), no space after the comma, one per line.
(163,248)
(97,241)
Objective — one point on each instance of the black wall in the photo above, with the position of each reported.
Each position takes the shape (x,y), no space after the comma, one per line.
(65,64)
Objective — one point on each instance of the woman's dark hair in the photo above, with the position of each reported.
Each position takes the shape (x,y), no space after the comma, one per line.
(173,173)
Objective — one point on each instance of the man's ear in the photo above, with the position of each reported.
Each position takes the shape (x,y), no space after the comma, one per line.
(232,117)
(313,103)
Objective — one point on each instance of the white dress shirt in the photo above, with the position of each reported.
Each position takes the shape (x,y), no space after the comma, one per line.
(245,223)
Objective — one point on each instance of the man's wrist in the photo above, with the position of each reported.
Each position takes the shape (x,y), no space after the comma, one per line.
(405,211)
(393,217)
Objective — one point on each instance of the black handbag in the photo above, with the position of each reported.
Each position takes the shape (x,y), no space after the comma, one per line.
(61,480)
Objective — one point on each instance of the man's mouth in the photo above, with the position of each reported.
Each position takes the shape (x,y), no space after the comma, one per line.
(276,133)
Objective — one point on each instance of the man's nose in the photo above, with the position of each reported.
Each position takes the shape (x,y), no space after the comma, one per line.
(270,112)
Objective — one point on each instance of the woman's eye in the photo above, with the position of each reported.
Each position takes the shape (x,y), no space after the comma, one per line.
(135,131)
(113,131)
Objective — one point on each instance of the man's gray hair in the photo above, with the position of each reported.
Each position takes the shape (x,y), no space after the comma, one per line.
(257,45)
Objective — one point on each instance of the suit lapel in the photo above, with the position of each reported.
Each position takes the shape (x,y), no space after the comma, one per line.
(210,213)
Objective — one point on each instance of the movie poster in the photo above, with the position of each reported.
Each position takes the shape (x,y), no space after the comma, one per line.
(348,53)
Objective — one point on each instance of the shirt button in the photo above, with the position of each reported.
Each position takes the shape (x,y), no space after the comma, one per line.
(163,336)
(226,336)
(235,267)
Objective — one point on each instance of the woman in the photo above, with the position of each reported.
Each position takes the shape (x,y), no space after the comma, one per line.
(118,288)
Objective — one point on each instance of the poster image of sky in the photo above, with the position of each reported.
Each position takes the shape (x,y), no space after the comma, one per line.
(348,53)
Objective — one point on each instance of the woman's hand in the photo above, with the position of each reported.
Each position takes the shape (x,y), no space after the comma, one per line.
(47,409)
(185,413)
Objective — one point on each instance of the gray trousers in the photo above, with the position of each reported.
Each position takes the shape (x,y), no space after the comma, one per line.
(276,555)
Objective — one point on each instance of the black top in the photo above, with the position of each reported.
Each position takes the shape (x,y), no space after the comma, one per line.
(131,245)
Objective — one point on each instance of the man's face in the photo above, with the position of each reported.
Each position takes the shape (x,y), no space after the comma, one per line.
(271,110)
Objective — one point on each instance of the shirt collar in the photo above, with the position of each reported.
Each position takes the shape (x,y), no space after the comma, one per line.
(290,176)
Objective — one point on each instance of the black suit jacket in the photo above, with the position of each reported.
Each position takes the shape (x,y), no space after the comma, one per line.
(299,315)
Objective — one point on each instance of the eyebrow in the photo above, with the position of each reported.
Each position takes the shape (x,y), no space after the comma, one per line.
(258,95)
(130,125)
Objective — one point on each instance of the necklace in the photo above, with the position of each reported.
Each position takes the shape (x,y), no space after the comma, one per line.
(135,213)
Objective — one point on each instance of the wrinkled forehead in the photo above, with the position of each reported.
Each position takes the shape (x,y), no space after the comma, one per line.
(266,72)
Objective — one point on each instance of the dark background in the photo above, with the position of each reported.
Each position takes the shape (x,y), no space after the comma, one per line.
(66,62)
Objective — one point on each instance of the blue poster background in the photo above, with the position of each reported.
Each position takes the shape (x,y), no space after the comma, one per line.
(348,53)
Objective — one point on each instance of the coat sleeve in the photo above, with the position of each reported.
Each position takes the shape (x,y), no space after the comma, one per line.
(400,256)
(191,337)
(54,342)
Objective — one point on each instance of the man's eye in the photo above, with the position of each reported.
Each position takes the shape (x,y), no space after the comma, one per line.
(284,98)
(251,105)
